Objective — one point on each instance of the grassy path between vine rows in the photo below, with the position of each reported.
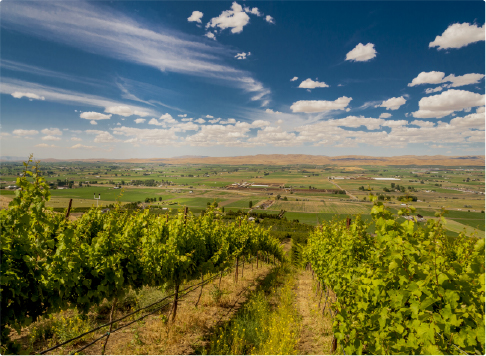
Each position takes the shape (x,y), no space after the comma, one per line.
(316,332)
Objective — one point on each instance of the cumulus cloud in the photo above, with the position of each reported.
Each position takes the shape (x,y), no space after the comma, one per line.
(422,123)
(310,106)
(438,106)
(44,145)
(294,79)
(209,117)
(200,121)
(188,126)
(83,147)
(156,122)
(242,55)
(310,84)
(20,95)
(93,122)
(385,115)
(362,53)
(393,103)
(433,90)
(270,19)
(234,19)
(270,111)
(167,118)
(196,16)
(76,139)
(210,35)
(119,110)
(25,132)
(93,116)
(52,131)
(102,136)
(253,11)
(439,78)
(139,121)
(51,138)
(458,35)
(186,119)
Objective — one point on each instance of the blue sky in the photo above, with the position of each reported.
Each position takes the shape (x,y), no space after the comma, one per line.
(152,79)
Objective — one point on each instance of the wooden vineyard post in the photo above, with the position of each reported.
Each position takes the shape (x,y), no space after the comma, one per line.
(200,293)
(176,299)
(257,259)
(167,218)
(69,208)
(185,214)
(320,298)
(236,272)
(242,267)
(348,223)
(111,325)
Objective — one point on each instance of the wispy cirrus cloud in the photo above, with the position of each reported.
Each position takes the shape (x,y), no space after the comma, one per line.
(103,30)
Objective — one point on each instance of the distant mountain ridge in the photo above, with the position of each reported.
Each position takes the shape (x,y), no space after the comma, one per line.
(281,159)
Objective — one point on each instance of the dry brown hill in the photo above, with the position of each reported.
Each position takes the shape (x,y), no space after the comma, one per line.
(278,159)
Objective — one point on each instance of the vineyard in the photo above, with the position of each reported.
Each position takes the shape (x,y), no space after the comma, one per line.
(407,288)
(50,263)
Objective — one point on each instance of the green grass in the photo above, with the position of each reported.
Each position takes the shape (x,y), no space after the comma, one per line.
(267,325)
(110,194)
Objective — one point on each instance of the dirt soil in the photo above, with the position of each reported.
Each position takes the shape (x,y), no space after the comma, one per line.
(316,332)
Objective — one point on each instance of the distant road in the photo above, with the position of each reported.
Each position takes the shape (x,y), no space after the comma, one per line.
(350,195)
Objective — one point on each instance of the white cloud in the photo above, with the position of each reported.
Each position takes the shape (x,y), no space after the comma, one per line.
(393,103)
(51,138)
(433,90)
(167,118)
(229,121)
(385,115)
(253,11)
(182,115)
(458,35)
(438,106)
(25,132)
(188,126)
(140,113)
(155,137)
(157,123)
(270,19)
(187,119)
(200,121)
(439,78)
(83,147)
(196,16)
(310,106)
(76,139)
(209,117)
(427,78)
(52,131)
(466,79)
(93,122)
(310,84)
(91,115)
(139,121)
(355,121)
(422,123)
(480,109)
(294,79)
(362,53)
(19,95)
(242,55)
(213,121)
(44,145)
(120,110)
(210,35)
(102,136)
(260,123)
(270,111)
(235,19)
